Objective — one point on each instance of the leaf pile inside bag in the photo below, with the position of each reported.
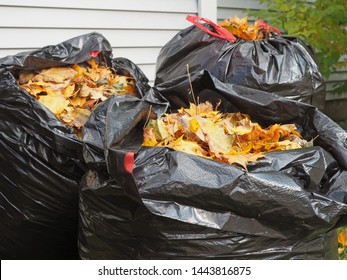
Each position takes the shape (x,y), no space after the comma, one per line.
(226,137)
(240,28)
(71,93)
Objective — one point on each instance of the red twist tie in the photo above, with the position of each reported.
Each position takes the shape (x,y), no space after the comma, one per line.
(94,53)
(129,162)
(221,32)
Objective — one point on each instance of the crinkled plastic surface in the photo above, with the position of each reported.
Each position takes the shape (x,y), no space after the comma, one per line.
(285,207)
(282,65)
(41,159)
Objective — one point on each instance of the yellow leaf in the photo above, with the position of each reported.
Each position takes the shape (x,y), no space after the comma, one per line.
(194,125)
(217,140)
(33,89)
(288,145)
(240,127)
(188,147)
(69,90)
(242,159)
(149,138)
(201,109)
(92,63)
(55,103)
(78,101)
(80,70)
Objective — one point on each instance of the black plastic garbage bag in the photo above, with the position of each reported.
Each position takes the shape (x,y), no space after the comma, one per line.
(202,208)
(172,205)
(42,160)
(107,212)
(114,226)
(283,65)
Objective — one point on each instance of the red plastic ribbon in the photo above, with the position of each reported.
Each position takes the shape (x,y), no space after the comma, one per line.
(94,53)
(220,31)
(129,162)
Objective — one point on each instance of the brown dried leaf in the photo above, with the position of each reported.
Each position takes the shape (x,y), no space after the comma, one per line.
(58,74)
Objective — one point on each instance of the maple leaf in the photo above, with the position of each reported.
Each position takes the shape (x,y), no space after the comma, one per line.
(77,117)
(81,71)
(149,138)
(189,147)
(55,103)
(194,125)
(69,90)
(218,142)
(242,159)
(78,101)
(239,124)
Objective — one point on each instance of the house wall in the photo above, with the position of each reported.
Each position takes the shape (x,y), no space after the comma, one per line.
(135,31)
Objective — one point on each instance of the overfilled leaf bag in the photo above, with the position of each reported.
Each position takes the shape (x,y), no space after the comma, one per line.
(279,64)
(42,159)
(107,227)
(182,206)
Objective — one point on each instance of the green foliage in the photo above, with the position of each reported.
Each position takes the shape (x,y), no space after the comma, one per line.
(321,23)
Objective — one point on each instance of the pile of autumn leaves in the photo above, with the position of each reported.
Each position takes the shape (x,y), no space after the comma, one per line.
(241,29)
(226,137)
(71,93)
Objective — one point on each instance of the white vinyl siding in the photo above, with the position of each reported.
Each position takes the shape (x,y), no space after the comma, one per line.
(136,29)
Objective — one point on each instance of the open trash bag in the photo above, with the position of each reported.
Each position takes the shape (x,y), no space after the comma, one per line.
(42,159)
(283,65)
(166,204)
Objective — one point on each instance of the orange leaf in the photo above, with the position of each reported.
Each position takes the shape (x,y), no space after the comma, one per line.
(342,238)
